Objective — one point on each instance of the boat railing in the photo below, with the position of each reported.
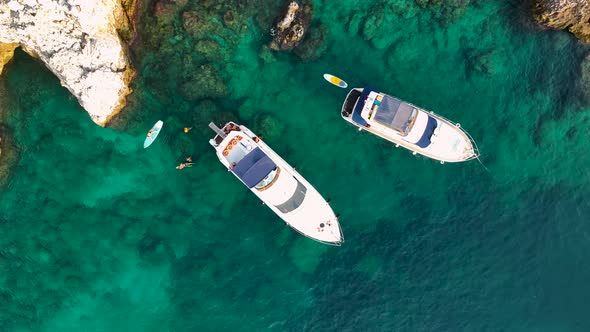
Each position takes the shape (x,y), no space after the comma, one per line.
(476,152)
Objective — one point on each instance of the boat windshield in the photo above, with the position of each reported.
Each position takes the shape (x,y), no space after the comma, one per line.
(411,120)
(268,180)
(294,201)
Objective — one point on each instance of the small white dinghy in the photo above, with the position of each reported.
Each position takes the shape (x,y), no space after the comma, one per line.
(336,81)
(153,134)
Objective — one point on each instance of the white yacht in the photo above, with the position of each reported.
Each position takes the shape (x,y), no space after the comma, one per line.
(278,185)
(404,124)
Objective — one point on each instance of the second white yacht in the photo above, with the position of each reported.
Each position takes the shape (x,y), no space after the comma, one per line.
(276,183)
(412,127)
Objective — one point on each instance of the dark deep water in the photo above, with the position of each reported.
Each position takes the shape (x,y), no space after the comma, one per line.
(99,234)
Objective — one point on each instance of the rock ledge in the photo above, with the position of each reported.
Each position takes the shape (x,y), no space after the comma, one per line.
(78,41)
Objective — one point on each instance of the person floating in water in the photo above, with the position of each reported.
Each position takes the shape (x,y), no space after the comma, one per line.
(187,129)
(183,165)
(189,159)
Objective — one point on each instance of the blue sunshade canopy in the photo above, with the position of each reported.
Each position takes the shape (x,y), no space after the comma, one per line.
(254,167)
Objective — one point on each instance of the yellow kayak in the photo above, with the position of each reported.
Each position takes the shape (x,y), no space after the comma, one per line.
(336,81)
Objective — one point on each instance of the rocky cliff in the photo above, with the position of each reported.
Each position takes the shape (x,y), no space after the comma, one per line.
(79,41)
(573,15)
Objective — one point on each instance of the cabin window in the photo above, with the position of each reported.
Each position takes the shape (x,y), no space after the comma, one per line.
(294,201)
(411,121)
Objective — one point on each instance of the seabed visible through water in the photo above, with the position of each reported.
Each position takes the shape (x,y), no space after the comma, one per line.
(99,234)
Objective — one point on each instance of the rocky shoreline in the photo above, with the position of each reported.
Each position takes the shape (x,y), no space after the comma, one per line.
(571,15)
(81,44)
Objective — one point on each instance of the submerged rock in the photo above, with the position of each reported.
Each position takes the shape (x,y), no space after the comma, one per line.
(210,49)
(291,27)
(167,9)
(154,250)
(205,83)
(207,111)
(178,37)
(584,81)
(480,61)
(7,154)
(80,43)
(445,12)
(573,15)
(197,24)
(373,23)
(268,125)
(266,55)
(313,46)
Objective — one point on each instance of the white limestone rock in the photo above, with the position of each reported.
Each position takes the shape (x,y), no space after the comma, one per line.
(79,43)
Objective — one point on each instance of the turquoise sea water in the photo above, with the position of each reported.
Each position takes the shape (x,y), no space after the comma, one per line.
(99,234)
